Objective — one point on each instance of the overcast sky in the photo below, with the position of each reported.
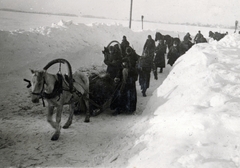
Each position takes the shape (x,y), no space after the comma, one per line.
(224,12)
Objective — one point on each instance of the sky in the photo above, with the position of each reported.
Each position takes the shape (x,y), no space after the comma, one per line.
(224,12)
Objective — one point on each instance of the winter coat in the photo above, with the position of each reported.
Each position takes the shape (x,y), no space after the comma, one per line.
(113,62)
(149,47)
(159,59)
(145,62)
(124,45)
(173,55)
(144,67)
(187,37)
(125,98)
(198,37)
(133,58)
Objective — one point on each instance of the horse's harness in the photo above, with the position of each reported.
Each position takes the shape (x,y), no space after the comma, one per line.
(58,87)
(57,90)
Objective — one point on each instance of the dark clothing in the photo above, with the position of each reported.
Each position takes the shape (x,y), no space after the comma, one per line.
(125,99)
(159,59)
(113,62)
(144,78)
(144,68)
(198,37)
(187,43)
(149,47)
(183,47)
(144,62)
(173,55)
(133,58)
(124,45)
(187,37)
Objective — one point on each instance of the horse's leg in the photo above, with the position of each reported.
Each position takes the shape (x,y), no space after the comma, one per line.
(86,102)
(49,116)
(69,121)
(57,123)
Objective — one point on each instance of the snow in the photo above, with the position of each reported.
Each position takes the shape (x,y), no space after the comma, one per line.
(189,119)
(196,117)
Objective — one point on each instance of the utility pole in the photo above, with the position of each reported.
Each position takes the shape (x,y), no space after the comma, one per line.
(142,21)
(130,20)
(236,25)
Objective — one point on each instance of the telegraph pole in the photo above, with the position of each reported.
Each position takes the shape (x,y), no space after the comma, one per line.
(142,21)
(130,20)
(236,25)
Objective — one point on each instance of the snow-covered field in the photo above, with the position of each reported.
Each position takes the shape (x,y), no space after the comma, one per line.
(189,119)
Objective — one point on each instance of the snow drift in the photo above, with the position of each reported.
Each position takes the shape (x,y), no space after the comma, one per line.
(196,111)
(191,120)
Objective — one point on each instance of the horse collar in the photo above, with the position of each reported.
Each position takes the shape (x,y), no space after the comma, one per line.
(57,90)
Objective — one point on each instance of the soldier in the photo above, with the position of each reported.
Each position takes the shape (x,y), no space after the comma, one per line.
(149,46)
(198,37)
(124,45)
(159,59)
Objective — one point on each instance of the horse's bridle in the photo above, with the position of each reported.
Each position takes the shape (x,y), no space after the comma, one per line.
(38,94)
(41,93)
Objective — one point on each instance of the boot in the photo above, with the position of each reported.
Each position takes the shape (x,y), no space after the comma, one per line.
(144,93)
(161,69)
(116,112)
(155,74)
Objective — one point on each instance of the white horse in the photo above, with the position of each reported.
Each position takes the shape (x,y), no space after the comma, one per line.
(55,89)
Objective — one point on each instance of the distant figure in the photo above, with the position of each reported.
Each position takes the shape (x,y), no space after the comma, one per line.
(144,68)
(159,59)
(217,36)
(198,37)
(188,40)
(149,46)
(124,45)
(185,45)
(187,37)
(173,54)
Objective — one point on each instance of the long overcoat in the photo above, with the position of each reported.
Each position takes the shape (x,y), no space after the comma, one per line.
(173,55)
(113,62)
(125,99)
(144,67)
(159,59)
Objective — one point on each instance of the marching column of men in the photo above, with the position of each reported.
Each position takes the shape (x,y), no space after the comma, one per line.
(127,67)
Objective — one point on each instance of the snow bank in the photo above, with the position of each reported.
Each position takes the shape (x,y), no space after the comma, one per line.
(196,122)
(78,43)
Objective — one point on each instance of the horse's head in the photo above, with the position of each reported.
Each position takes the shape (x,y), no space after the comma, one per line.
(37,85)
(105,51)
(210,34)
